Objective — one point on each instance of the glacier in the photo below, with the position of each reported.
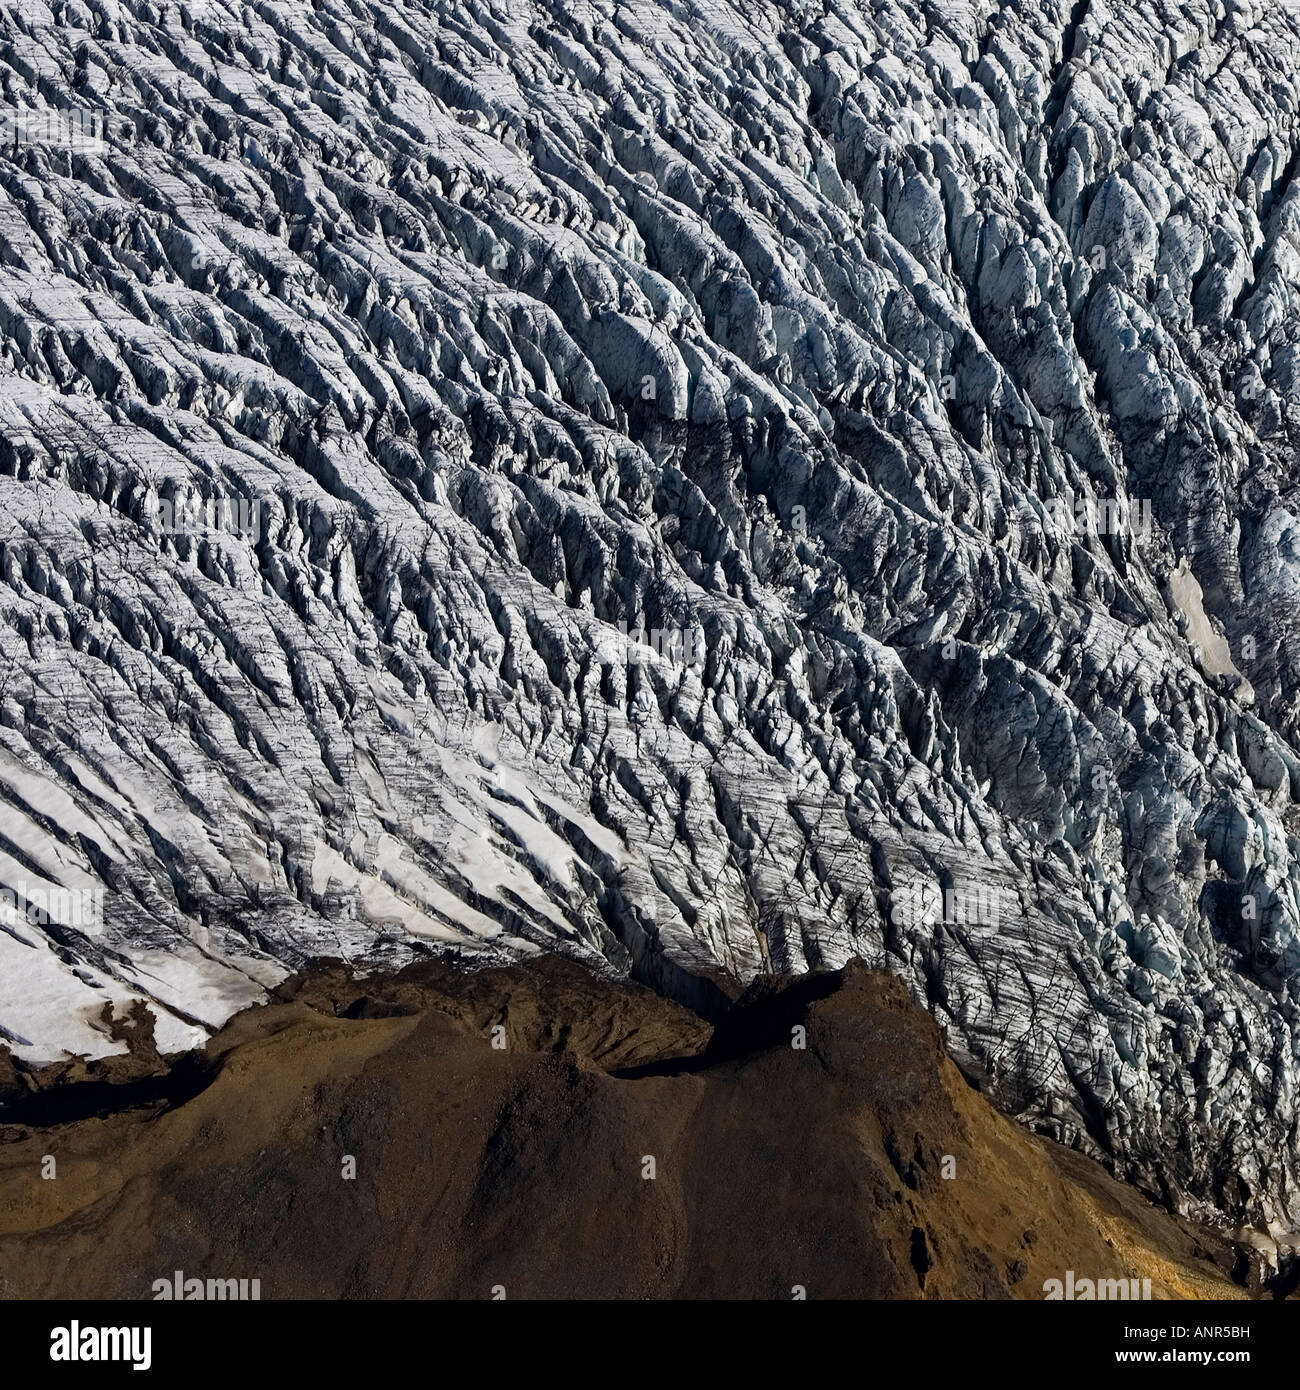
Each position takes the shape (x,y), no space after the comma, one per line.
(707,489)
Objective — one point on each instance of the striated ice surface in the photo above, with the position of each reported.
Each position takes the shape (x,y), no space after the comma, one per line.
(708,488)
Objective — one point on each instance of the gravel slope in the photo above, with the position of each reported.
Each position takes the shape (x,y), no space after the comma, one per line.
(611,1148)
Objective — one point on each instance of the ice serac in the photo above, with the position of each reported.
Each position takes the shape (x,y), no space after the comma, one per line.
(709,489)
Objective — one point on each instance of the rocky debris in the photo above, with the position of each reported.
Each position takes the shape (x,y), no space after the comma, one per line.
(372,376)
(368,1138)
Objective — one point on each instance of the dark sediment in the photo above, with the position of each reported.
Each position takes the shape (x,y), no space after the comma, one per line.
(775,1165)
